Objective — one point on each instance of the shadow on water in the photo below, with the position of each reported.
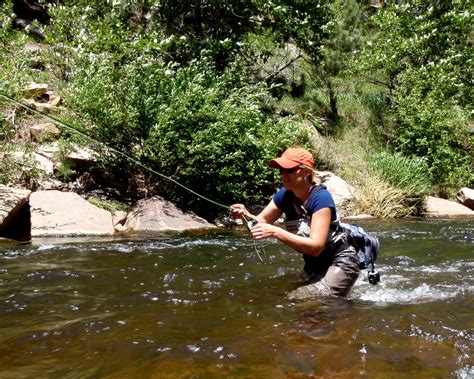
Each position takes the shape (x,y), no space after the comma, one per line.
(205,306)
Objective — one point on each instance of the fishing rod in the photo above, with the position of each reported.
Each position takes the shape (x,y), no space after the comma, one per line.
(248,223)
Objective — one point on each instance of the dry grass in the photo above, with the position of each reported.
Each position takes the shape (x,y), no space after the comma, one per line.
(345,155)
(382,200)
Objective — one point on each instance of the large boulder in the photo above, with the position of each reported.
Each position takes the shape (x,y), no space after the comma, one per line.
(340,190)
(156,215)
(14,213)
(436,207)
(466,197)
(55,213)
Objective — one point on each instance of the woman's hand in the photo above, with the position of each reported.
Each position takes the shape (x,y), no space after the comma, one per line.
(262,231)
(239,211)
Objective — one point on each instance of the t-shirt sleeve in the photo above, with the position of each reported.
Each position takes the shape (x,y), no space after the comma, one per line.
(278,198)
(322,199)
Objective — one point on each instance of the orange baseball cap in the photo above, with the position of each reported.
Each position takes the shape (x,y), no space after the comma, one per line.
(293,157)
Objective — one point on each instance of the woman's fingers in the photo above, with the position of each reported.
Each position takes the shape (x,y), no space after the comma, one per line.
(261,231)
(237,210)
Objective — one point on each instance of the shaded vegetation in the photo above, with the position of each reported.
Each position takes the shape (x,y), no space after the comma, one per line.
(207,92)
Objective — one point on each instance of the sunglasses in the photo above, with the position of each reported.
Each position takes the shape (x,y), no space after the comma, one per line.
(289,170)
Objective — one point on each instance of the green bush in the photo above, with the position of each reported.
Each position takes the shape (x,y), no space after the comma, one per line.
(203,128)
(423,54)
(435,127)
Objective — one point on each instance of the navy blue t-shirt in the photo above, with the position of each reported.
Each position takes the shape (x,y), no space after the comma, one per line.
(291,206)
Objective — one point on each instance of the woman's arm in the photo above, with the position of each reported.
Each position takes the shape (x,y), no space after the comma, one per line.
(269,215)
(312,245)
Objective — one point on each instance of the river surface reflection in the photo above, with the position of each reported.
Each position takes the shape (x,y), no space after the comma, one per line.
(204,306)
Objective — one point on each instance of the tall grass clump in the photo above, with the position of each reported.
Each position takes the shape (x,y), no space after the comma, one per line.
(382,200)
(407,174)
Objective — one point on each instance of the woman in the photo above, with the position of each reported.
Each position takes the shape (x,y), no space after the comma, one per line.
(312,227)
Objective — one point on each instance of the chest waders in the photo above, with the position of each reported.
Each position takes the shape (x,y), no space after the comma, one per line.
(337,250)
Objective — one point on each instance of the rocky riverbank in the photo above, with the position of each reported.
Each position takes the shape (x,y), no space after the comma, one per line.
(62,179)
(25,214)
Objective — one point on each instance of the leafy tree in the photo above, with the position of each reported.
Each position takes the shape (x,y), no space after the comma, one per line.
(219,28)
(344,39)
(424,52)
(191,121)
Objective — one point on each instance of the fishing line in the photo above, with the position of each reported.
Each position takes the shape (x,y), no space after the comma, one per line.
(125,155)
(111,148)
(250,225)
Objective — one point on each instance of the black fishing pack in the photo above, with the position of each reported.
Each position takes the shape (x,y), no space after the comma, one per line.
(367,247)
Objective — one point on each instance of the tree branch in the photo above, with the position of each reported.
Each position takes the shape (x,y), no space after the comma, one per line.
(280,69)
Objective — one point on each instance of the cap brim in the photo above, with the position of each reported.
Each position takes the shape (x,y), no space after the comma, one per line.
(283,163)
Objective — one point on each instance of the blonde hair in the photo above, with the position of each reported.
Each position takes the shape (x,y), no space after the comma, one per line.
(312,177)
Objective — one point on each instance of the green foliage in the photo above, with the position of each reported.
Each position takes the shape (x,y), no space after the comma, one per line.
(344,37)
(424,51)
(190,123)
(18,167)
(434,127)
(201,126)
(218,29)
(5,130)
(110,205)
(408,174)
(302,22)
(8,167)
(17,66)
(332,90)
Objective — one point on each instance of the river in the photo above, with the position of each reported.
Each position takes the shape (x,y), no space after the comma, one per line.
(205,306)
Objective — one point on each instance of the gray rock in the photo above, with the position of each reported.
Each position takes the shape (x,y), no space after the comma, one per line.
(466,197)
(340,190)
(14,216)
(436,207)
(76,156)
(156,215)
(55,213)
(37,131)
(35,90)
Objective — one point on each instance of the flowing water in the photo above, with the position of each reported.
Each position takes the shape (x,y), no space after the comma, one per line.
(204,306)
